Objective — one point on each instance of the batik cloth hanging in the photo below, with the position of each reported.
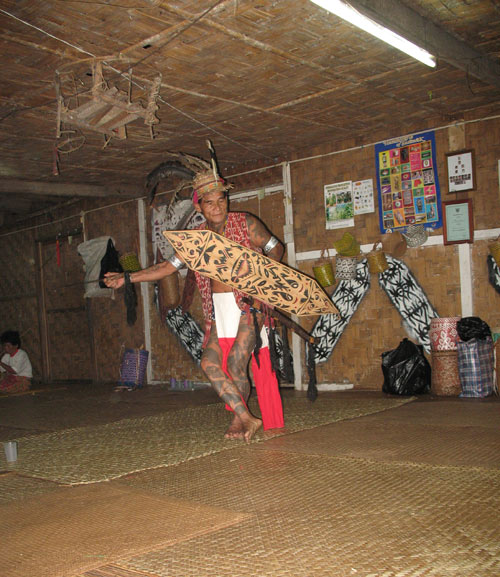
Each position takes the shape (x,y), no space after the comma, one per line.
(347,297)
(409,299)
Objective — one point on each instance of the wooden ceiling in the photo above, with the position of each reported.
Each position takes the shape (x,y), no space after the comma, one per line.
(265,80)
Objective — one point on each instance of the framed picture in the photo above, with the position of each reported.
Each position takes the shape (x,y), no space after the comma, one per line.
(461,171)
(458,225)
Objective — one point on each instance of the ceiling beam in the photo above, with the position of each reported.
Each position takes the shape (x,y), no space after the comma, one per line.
(15,204)
(401,19)
(66,189)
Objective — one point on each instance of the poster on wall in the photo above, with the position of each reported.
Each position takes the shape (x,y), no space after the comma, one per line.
(339,208)
(407,182)
(362,194)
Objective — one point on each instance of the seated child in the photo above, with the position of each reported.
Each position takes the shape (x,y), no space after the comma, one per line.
(15,367)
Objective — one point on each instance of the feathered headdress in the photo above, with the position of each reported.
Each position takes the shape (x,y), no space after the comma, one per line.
(203,176)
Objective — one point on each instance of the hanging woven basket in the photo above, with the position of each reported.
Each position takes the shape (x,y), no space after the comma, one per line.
(415,235)
(345,267)
(323,271)
(169,293)
(130,262)
(347,245)
(377,261)
(494,248)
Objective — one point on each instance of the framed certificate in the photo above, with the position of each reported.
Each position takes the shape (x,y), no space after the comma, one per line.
(458,225)
(461,171)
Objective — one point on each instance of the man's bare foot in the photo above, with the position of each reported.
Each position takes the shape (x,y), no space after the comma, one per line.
(235,429)
(250,426)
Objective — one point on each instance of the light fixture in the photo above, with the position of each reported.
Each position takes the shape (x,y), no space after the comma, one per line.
(350,14)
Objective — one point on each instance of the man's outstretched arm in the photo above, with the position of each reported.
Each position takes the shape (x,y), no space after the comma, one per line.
(155,272)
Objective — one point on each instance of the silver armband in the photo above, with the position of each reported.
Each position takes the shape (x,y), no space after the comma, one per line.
(176,262)
(271,243)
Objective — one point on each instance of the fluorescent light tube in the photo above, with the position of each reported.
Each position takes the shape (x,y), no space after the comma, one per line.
(350,14)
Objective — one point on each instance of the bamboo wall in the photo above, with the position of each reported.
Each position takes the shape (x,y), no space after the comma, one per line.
(375,327)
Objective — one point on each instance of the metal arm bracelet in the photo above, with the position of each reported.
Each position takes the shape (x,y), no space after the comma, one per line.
(271,243)
(176,262)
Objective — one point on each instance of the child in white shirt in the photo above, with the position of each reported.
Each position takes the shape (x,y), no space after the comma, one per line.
(15,367)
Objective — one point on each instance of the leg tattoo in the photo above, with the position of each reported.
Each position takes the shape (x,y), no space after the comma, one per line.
(235,390)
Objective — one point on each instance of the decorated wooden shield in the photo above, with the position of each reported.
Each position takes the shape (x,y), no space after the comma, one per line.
(250,272)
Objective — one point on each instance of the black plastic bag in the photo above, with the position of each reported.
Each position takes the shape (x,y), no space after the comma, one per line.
(110,262)
(472,328)
(406,370)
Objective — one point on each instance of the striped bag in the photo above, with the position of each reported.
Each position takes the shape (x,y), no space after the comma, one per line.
(476,367)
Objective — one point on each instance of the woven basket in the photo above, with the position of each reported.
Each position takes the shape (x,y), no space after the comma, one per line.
(169,293)
(494,248)
(323,272)
(133,368)
(445,378)
(347,245)
(345,267)
(443,333)
(415,235)
(394,243)
(377,261)
(130,262)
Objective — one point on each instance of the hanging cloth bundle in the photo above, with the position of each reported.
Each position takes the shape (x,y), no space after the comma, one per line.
(273,353)
(258,338)
(110,262)
(288,373)
(130,300)
(312,389)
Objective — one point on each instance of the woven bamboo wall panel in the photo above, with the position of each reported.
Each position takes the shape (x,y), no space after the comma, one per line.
(486,299)
(62,273)
(18,293)
(486,197)
(69,346)
(255,178)
(17,262)
(269,209)
(109,316)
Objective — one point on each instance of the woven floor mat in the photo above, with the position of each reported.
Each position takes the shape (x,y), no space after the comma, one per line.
(382,439)
(75,529)
(318,516)
(447,411)
(103,452)
(14,487)
(114,570)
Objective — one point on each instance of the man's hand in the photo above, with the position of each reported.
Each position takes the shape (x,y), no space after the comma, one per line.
(114,280)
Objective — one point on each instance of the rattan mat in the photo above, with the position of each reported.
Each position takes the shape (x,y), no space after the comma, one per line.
(320,516)
(75,529)
(103,452)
